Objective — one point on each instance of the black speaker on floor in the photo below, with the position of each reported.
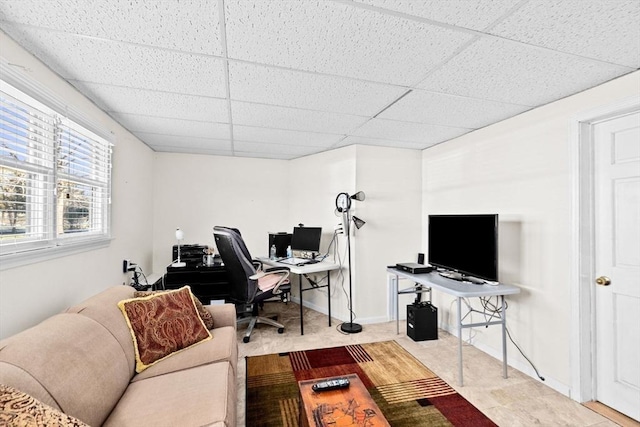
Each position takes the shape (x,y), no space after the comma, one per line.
(422,321)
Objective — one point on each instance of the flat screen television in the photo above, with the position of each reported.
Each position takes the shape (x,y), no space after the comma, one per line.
(466,244)
(306,239)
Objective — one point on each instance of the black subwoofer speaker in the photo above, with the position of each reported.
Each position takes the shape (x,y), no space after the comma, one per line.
(422,321)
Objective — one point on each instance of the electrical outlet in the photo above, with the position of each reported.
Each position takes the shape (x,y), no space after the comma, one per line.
(127,266)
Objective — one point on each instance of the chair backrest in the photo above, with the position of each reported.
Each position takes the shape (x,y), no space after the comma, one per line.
(237,263)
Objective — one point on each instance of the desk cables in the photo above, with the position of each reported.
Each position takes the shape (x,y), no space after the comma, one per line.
(492,309)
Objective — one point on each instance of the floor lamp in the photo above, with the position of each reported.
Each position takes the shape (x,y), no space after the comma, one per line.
(343,205)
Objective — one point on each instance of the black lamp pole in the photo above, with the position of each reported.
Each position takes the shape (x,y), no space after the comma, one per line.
(351,328)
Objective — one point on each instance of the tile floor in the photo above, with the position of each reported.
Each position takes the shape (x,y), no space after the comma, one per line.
(516,401)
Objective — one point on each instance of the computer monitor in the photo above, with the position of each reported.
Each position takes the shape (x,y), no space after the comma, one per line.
(306,239)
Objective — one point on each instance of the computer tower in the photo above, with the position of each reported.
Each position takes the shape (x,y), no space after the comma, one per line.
(422,321)
(282,240)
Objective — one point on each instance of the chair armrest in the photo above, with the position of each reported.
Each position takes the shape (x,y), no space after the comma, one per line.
(272,270)
(223,314)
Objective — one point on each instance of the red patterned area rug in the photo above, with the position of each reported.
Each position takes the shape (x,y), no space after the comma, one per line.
(406,391)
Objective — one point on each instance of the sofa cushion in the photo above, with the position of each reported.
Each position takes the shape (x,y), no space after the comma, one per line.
(103,308)
(77,361)
(163,324)
(205,315)
(222,348)
(20,409)
(203,396)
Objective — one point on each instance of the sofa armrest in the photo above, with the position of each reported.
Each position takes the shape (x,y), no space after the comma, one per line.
(223,314)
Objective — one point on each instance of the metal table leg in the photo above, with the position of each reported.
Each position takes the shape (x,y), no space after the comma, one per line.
(460,381)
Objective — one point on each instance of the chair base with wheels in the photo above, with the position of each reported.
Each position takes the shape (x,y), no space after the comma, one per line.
(249,313)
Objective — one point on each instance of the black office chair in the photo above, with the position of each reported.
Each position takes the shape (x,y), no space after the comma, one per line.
(251,286)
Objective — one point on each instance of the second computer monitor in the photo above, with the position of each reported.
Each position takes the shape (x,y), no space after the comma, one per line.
(306,239)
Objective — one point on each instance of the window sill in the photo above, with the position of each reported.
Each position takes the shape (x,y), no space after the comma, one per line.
(39,255)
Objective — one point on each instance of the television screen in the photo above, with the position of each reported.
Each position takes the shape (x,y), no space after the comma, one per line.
(467,244)
(306,239)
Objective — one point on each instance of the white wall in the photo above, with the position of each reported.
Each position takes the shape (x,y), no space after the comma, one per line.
(521,169)
(197,192)
(34,292)
(390,179)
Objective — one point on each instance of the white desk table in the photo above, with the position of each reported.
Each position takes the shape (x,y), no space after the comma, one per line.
(301,270)
(460,290)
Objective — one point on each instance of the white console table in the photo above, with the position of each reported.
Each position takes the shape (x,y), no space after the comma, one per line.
(459,290)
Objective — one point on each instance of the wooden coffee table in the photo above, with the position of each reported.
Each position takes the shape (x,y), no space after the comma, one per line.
(352,406)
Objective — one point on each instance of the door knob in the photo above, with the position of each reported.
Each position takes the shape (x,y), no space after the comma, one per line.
(603,281)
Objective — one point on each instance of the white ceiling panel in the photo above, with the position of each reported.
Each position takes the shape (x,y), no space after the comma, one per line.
(280,136)
(506,71)
(123,64)
(153,103)
(169,126)
(191,26)
(276,150)
(449,110)
(589,28)
(335,38)
(295,77)
(409,132)
(360,140)
(473,14)
(156,141)
(290,88)
(269,116)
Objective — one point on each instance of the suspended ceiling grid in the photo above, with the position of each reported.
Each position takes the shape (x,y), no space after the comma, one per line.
(289,78)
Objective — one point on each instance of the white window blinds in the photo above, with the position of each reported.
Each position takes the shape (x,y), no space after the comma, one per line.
(55,177)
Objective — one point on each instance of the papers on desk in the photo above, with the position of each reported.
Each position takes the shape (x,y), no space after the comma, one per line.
(297,261)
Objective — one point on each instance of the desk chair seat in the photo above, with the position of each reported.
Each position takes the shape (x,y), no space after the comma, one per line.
(251,285)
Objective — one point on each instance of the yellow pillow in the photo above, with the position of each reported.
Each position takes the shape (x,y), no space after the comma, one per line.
(163,324)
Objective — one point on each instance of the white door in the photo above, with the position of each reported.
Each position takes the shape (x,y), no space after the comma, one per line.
(617,252)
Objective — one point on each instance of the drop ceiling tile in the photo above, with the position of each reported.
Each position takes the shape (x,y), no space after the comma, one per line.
(336,38)
(449,110)
(122,64)
(394,130)
(273,156)
(358,140)
(280,136)
(113,99)
(474,14)
(192,150)
(507,71)
(176,127)
(190,26)
(268,116)
(180,142)
(258,148)
(607,30)
(291,88)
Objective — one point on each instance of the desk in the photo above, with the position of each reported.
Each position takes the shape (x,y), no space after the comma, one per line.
(460,290)
(301,270)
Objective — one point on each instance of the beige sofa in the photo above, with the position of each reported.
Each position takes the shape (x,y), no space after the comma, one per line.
(82,362)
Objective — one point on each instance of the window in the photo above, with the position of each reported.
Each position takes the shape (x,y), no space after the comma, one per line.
(55,178)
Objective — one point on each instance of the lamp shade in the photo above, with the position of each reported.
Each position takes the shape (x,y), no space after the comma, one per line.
(179,234)
(359,196)
(358,222)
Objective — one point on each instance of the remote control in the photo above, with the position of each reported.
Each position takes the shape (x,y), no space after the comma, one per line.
(330,384)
